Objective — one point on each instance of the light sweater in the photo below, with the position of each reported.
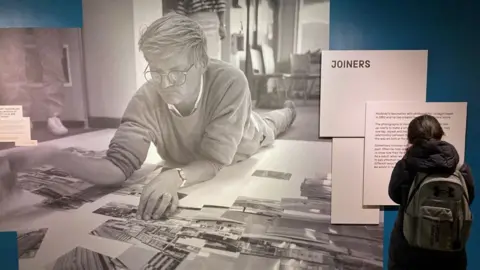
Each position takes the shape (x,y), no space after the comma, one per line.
(223,129)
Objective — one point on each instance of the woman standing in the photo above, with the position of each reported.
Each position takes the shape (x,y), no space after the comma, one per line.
(429,154)
(210,14)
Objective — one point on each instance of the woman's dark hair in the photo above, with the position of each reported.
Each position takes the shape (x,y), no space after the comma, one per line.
(424,128)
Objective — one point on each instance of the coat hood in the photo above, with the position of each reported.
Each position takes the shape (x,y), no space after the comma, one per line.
(437,156)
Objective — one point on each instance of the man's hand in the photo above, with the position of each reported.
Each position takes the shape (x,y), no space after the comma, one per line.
(222,32)
(29,157)
(22,159)
(159,196)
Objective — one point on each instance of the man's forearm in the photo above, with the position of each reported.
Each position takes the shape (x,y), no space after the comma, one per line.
(200,171)
(93,170)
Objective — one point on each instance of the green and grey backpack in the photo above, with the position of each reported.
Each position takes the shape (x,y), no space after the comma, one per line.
(437,212)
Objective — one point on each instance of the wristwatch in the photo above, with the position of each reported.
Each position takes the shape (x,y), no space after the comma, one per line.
(182,176)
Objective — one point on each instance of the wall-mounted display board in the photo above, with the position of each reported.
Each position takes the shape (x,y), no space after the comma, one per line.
(347,184)
(351,78)
(386,139)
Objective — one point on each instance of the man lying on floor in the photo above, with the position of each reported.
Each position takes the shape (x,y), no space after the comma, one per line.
(196,111)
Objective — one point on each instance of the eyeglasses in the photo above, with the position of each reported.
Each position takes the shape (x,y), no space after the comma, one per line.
(174,77)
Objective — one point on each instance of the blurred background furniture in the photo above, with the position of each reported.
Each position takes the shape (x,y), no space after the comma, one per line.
(301,78)
(269,86)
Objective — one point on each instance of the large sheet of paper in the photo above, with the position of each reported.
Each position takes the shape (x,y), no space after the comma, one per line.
(386,139)
(275,197)
(241,179)
(351,78)
(347,183)
(303,160)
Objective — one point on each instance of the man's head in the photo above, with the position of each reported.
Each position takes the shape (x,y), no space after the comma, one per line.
(175,45)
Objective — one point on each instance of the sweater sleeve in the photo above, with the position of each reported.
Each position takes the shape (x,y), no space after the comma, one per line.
(226,128)
(469,181)
(400,182)
(129,146)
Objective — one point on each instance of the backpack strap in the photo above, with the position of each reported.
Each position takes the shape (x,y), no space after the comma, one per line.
(419,178)
(459,174)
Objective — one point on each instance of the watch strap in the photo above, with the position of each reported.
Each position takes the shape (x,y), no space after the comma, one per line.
(182,176)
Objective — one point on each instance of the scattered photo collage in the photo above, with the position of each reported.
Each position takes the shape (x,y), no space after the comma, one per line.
(254,233)
(60,190)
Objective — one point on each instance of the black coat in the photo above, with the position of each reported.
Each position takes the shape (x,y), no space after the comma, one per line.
(428,157)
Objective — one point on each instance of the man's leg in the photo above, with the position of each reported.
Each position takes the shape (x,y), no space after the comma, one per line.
(280,120)
(50,51)
(13,76)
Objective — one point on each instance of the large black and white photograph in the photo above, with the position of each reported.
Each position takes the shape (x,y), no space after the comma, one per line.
(176,134)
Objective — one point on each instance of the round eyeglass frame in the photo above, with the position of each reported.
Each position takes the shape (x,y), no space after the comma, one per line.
(172,81)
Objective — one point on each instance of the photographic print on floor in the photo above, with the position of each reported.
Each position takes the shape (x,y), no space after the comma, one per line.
(298,234)
(316,188)
(301,231)
(60,190)
(29,242)
(297,206)
(128,211)
(137,232)
(257,206)
(117,210)
(272,174)
(168,260)
(216,233)
(133,258)
(81,258)
(294,231)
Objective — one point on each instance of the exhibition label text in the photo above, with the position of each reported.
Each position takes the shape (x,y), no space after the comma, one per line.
(350,63)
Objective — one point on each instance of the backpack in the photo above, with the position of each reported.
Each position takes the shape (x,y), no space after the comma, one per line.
(437,212)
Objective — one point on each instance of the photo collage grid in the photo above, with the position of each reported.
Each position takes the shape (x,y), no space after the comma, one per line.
(294,232)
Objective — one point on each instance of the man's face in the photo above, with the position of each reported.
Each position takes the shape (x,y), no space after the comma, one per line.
(177,79)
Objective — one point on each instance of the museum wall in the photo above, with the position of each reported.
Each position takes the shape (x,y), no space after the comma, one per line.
(109,81)
(449,31)
(313,17)
(108,67)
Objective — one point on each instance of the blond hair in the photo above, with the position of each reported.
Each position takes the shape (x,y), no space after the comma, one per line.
(173,35)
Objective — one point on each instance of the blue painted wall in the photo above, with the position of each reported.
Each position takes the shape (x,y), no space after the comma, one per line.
(8,251)
(41,13)
(450,31)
